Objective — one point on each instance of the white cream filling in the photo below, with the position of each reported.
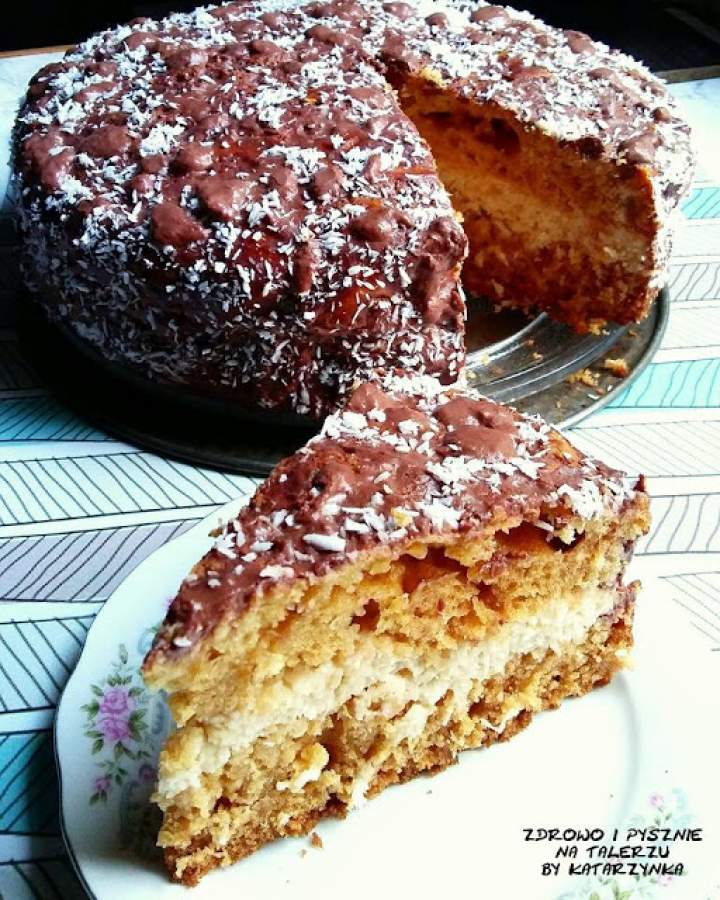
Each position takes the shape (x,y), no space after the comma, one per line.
(381,673)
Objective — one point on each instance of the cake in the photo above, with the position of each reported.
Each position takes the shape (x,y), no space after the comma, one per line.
(267,201)
(421,578)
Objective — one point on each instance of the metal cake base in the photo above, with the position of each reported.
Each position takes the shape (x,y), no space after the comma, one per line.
(525,362)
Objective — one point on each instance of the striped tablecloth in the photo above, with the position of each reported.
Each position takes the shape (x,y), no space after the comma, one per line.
(78,510)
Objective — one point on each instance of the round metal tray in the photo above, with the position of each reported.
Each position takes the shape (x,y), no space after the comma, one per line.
(511,358)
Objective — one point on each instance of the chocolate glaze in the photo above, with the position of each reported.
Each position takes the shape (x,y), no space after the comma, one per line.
(200,196)
(405,458)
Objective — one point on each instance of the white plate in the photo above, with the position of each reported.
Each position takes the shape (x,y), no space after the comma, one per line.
(641,751)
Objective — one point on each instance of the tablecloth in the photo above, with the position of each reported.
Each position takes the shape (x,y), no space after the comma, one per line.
(78,509)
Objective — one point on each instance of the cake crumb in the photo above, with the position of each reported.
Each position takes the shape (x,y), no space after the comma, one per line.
(316,840)
(583,376)
(617,367)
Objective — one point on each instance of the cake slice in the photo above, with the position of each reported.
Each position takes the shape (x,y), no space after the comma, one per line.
(419,579)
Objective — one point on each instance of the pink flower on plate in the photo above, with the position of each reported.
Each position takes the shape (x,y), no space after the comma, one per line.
(657,801)
(114,728)
(102,784)
(116,701)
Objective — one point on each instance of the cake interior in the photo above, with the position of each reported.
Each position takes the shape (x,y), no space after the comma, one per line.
(550,226)
(322,694)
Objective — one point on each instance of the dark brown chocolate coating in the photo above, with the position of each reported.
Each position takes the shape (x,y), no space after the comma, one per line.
(233,199)
(406,458)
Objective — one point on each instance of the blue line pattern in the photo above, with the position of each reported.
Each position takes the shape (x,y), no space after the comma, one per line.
(702,203)
(695,383)
(80,566)
(43,419)
(40,878)
(71,487)
(27,783)
(36,658)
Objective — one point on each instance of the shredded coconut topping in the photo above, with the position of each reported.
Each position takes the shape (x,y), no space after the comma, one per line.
(250,207)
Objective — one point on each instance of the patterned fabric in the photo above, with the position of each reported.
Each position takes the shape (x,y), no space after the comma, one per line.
(79,510)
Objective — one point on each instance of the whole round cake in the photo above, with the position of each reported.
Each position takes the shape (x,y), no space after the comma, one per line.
(263,200)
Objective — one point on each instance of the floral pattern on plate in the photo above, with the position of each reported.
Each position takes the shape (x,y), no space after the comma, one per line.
(117,726)
(668,810)
(127,725)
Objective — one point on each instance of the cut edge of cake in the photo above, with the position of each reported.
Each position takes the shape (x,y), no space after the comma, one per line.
(420,579)
(541,235)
